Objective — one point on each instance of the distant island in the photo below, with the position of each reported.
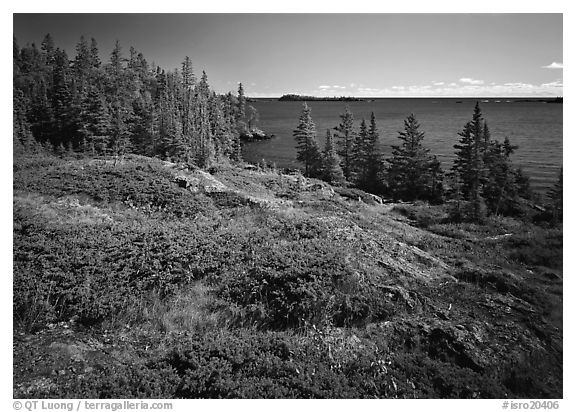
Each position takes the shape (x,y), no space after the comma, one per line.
(550,100)
(299,98)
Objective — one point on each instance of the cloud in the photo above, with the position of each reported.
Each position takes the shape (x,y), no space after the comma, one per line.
(470,81)
(556,83)
(519,85)
(554,65)
(464,87)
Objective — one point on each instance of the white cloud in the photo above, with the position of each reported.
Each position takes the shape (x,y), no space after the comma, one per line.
(519,85)
(554,65)
(473,82)
(465,87)
(556,83)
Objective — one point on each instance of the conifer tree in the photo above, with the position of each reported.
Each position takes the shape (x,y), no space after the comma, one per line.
(203,87)
(499,185)
(372,180)
(359,154)
(556,199)
(188,78)
(22,134)
(331,169)
(82,62)
(413,172)
(346,136)
(307,145)
(468,166)
(94,54)
(241,103)
(95,123)
(15,58)
(204,150)
(62,100)
(48,49)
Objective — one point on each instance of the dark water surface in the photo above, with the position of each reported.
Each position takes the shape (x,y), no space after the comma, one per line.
(533,126)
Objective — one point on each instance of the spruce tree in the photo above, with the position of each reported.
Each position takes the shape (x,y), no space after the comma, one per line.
(65,115)
(372,180)
(346,136)
(468,168)
(95,123)
(331,169)
(241,103)
(359,154)
(499,189)
(94,54)
(307,145)
(22,134)
(413,173)
(556,199)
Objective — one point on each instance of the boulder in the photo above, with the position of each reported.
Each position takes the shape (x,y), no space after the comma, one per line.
(188,182)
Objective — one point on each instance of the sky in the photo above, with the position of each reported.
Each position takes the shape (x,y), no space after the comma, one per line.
(365,55)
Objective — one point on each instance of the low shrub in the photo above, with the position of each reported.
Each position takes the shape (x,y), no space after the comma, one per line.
(147,187)
(422,215)
(539,248)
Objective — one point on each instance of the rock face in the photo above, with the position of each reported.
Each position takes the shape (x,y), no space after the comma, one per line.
(255,134)
(199,181)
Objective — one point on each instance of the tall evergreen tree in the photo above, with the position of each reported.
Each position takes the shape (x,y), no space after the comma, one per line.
(22,134)
(204,149)
(359,154)
(241,102)
(499,185)
(346,136)
(413,173)
(468,168)
(307,145)
(95,123)
(94,54)
(372,180)
(556,199)
(65,113)
(48,49)
(331,169)
(188,78)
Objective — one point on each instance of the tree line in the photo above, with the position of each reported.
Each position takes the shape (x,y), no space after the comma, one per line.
(482,176)
(84,105)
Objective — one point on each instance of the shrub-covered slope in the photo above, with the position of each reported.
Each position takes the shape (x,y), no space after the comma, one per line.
(142,278)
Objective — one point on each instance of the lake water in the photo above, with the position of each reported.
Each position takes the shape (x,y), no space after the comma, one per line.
(533,126)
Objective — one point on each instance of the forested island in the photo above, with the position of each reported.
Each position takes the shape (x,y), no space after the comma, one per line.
(300,98)
(555,100)
(151,261)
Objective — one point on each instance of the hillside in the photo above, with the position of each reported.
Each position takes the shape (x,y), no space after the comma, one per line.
(147,279)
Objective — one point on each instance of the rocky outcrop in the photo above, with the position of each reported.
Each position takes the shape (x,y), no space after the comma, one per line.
(255,134)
